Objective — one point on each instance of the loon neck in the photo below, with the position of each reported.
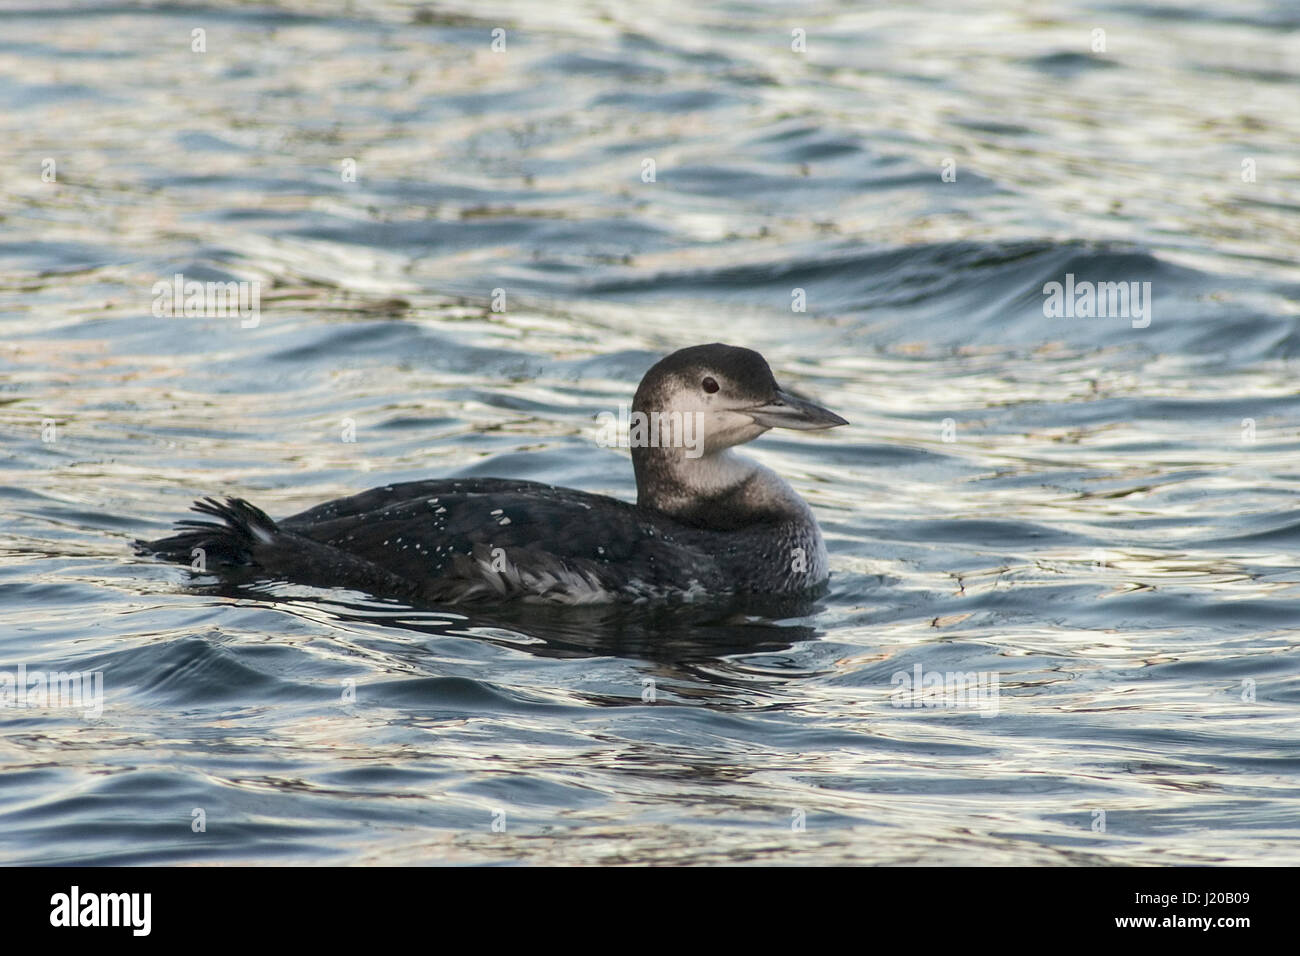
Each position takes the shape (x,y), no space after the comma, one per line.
(721,491)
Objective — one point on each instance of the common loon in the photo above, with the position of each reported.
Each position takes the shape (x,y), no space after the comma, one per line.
(707,522)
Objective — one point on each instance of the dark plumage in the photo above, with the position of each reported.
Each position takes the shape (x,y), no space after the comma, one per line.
(711,524)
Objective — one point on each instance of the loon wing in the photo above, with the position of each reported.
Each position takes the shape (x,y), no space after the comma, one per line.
(462,540)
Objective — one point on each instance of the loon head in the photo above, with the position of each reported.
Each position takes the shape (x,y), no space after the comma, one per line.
(694,406)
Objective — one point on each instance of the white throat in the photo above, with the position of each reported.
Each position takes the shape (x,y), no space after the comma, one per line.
(737,482)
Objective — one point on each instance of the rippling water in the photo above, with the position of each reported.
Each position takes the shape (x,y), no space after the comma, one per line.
(1102,515)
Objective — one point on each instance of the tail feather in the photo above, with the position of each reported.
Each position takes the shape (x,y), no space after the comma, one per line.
(242,536)
(229,540)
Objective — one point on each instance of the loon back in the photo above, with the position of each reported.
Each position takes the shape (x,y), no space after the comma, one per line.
(711,524)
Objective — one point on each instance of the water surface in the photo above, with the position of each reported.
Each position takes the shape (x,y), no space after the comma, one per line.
(1103,516)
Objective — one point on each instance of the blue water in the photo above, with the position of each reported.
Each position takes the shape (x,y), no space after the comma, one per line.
(1102,515)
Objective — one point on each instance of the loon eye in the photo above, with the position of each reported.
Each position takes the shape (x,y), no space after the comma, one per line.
(709,385)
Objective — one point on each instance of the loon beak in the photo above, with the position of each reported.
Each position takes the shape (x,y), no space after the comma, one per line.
(786,411)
